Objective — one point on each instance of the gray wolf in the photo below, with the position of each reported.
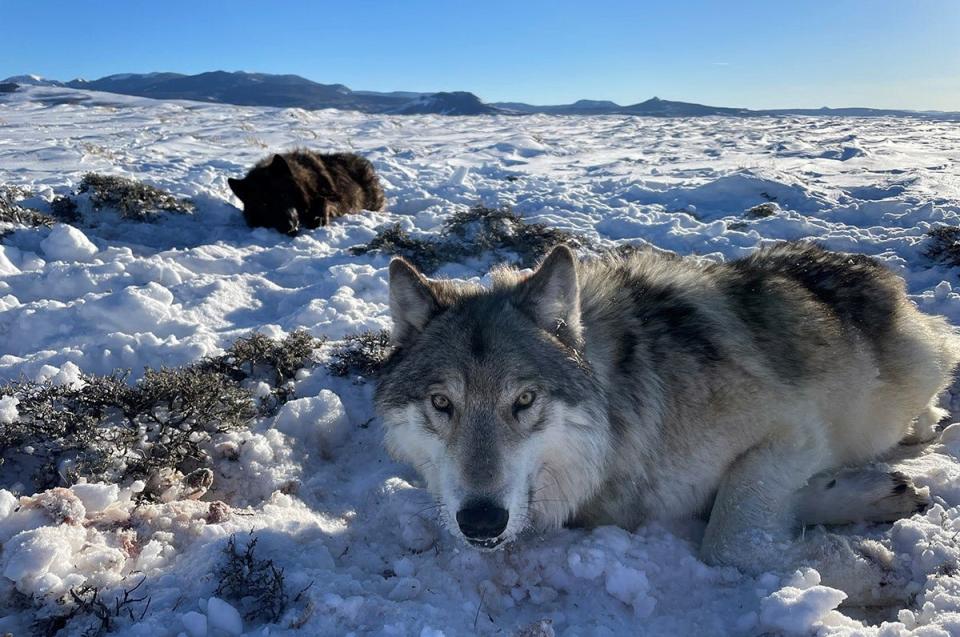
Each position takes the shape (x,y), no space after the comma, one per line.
(620,390)
(306,189)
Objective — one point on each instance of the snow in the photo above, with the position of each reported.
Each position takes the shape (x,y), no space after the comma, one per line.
(797,609)
(351,528)
(630,586)
(222,616)
(96,497)
(318,422)
(8,410)
(194,623)
(66,243)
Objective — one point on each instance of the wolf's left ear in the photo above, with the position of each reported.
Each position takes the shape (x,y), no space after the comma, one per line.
(412,302)
(237,186)
(552,296)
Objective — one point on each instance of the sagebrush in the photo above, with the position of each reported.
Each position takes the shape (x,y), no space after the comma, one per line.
(472,233)
(11,211)
(360,354)
(132,199)
(105,429)
(84,612)
(943,245)
(258,583)
(274,360)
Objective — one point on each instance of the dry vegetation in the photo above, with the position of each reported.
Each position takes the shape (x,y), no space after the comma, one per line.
(473,233)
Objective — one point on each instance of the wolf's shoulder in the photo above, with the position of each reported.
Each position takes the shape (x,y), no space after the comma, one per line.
(653,297)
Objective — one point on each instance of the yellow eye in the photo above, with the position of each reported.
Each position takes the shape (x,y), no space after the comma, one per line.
(440,402)
(524,400)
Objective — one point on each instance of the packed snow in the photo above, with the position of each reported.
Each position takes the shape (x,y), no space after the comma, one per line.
(357,538)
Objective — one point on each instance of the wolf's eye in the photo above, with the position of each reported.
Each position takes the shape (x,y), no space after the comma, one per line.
(440,403)
(523,401)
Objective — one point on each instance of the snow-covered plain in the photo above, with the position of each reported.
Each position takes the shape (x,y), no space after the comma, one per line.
(355,532)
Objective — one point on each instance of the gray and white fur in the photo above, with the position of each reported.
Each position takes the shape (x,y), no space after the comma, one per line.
(621,390)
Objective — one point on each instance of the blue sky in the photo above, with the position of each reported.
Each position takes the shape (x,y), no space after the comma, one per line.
(801,53)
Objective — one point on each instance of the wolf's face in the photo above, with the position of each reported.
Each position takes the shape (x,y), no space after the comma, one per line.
(271,197)
(488,397)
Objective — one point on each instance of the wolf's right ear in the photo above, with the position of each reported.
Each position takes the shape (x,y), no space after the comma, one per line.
(552,296)
(412,302)
(237,186)
(279,165)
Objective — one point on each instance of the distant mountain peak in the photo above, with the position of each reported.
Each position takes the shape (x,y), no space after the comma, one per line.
(595,104)
(447,103)
(249,88)
(31,80)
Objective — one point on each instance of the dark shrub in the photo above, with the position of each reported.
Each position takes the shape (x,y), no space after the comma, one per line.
(473,233)
(360,354)
(762,211)
(257,584)
(107,430)
(12,212)
(131,198)
(275,361)
(943,245)
(426,254)
(65,209)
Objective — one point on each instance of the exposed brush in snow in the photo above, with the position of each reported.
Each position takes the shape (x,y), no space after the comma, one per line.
(65,428)
(943,245)
(283,358)
(473,233)
(85,613)
(277,361)
(65,209)
(131,198)
(426,254)
(258,584)
(12,212)
(176,410)
(360,354)
(762,211)
(102,428)
(502,230)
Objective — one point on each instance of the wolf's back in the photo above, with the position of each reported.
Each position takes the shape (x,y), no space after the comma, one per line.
(364,174)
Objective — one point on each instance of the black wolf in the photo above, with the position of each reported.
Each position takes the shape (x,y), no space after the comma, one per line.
(307,189)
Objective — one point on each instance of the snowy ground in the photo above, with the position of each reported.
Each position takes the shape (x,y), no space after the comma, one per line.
(134,295)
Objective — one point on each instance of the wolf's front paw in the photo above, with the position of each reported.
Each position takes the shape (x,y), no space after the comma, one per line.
(860,495)
(903,500)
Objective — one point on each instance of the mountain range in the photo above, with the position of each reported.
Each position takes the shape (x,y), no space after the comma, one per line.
(264,89)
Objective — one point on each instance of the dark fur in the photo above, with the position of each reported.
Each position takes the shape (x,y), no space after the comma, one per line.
(307,189)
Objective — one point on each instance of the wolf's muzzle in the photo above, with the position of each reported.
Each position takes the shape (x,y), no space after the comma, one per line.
(482,520)
(291,219)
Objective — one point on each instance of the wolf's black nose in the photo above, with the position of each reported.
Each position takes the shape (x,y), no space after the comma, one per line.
(482,519)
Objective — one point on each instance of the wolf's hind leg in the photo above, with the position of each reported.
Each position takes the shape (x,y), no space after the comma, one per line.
(753,519)
(859,495)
